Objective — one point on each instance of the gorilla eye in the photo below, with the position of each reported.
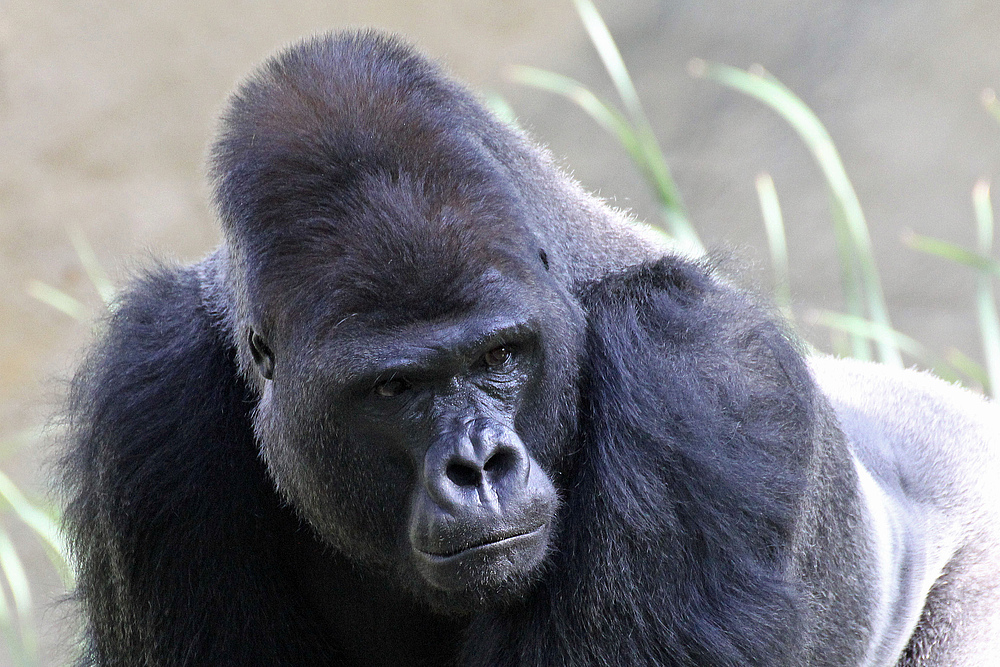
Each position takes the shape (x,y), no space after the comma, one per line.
(498,356)
(390,388)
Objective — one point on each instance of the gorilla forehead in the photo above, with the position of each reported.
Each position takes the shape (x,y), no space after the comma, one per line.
(396,249)
(327,115)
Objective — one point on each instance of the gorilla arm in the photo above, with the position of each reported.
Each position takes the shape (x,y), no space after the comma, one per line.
(930,453)
(173,521)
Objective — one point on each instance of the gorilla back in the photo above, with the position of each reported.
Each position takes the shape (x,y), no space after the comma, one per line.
(431,404)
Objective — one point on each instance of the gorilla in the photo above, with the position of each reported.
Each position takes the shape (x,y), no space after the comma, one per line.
(429,403)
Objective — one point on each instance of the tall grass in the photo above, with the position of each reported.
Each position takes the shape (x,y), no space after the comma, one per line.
(631,127)
(987,270)
(17,603)
(866,320)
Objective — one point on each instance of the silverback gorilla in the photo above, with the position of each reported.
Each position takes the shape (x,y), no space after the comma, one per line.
(431,404)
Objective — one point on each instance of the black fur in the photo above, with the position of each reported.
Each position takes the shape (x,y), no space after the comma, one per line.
(680,501)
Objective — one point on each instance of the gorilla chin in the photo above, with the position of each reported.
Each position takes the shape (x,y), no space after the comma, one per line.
(479,543)
(489,567)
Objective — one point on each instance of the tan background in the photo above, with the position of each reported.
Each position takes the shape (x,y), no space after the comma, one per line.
(106,109)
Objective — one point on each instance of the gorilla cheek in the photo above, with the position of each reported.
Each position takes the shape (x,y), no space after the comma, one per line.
(350,502)
(282,461)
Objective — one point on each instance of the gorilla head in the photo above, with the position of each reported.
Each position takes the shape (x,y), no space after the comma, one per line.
(416,358)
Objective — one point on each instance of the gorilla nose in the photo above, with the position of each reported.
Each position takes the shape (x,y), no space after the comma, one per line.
(479,468)
(463,472)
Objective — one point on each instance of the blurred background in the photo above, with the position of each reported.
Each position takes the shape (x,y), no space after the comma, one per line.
(106,110)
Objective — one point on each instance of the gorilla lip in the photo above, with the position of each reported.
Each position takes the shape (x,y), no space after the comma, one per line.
(502,540)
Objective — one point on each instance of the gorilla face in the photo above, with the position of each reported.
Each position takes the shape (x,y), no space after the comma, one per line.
(417,411)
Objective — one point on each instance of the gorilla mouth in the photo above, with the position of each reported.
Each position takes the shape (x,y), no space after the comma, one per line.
(489,564)
(509,540)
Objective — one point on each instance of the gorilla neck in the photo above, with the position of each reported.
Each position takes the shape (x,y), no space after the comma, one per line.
(375,623)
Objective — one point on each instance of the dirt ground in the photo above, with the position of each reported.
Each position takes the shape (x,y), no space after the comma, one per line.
(106,110)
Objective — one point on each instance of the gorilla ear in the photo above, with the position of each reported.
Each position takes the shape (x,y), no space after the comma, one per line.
(262,355)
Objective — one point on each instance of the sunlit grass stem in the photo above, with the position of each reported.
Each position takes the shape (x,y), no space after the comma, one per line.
(762,86)
(986,304)
(774,226)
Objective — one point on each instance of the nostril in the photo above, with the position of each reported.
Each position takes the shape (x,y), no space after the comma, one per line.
(462,474)
(500,463)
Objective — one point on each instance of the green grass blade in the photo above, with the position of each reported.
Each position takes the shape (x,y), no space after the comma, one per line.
(774,94)
(604,115)
(608,51)
(57,299)
(17,580)
(840,344)
(858,326)
(774,226)
(39,522)
(93,268)
(968,367)
(952,252)
(500,107)
(989,320)
(616,124)
(652,162)
(850,282)
(984,216)
(8,627)
(62,301)
(683,233)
